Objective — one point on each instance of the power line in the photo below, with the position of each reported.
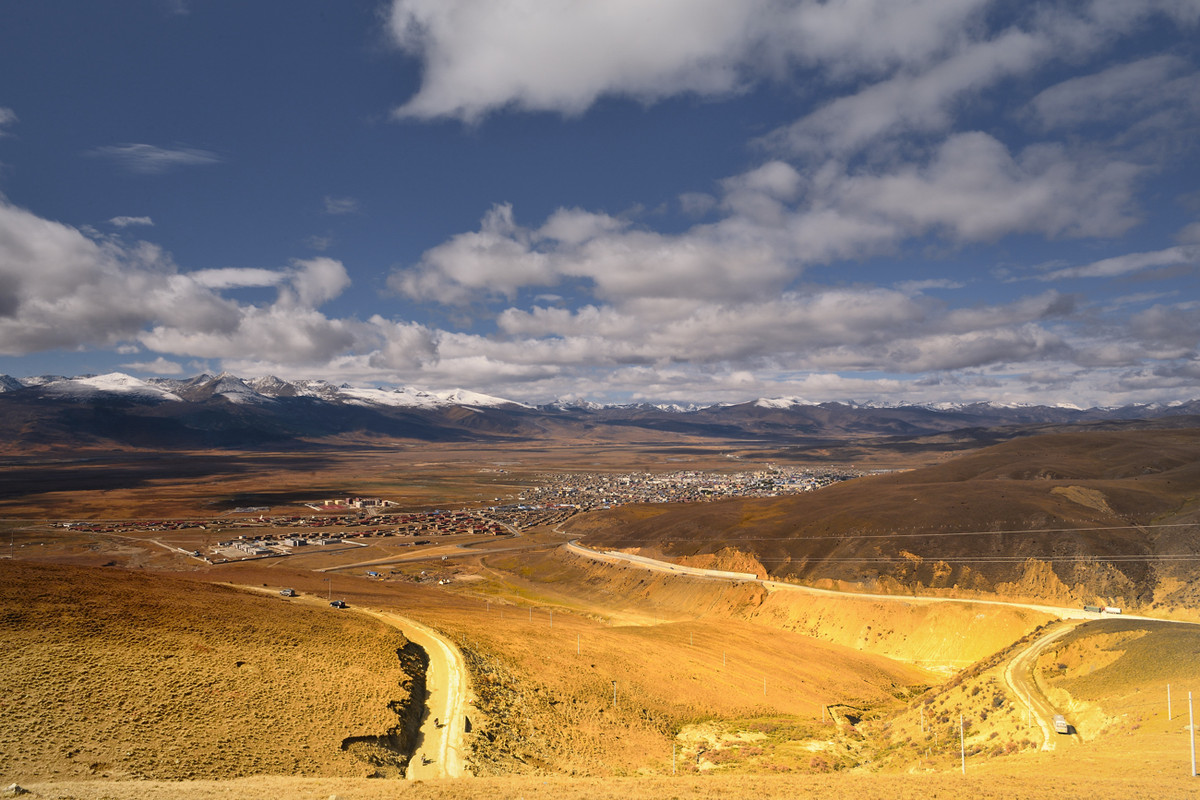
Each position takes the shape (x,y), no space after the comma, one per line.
(845,536)
(1085,559)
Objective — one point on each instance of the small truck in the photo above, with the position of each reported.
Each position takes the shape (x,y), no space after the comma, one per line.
(287,592)
(1060,724)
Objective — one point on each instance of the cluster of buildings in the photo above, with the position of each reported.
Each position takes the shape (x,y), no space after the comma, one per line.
(593,490)
(350,504)
(522,516)
(559,497)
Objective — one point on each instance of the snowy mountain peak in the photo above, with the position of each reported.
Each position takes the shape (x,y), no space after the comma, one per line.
(782,402)
(113,383)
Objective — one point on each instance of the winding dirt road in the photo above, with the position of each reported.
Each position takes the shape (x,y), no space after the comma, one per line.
(439,751)
(1019,677)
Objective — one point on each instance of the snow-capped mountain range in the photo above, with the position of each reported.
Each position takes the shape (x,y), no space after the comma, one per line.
(252,390)
(226,411)
(269,388)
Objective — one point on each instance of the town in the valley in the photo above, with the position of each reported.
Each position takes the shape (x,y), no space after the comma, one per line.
(246,533)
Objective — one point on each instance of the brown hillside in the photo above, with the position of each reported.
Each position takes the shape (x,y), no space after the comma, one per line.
(109,673)
(1067,517)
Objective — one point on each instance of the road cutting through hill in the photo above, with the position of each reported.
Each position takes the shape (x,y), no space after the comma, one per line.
(439,750)
(1019,677)
(655,565)
(439,747)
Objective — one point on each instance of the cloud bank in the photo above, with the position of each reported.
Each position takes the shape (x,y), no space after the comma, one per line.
(933,135)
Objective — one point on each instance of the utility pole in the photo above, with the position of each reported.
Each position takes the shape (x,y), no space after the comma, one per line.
(577,644)
(1168,702)
(614,683)
(552,618)
(962,744)
(1192,730)
(672,758)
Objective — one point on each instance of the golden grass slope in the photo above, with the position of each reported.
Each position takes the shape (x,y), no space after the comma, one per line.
(109,673)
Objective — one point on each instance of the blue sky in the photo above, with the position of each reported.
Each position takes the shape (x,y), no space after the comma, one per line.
(674,200)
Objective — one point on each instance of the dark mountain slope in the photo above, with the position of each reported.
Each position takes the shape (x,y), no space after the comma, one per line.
(1089,506)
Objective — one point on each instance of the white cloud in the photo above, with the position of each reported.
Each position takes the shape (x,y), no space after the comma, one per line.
(159,366)
(1189,234)
(237,277)
(974,189)
(126,222)
(778,221)
(148,159)
(1122,92)
(62,289)
(1131,262)
(910,102)
(339,206)
(480,57)
(503,257)
(562,56)
(273,333)
(866,328)
(7,117)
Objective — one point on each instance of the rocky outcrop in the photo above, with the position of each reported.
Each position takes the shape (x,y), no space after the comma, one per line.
(387,754)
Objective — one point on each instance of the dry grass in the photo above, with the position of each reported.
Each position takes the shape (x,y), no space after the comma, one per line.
(115,674)
(1111,679)
(155,688)
(1044,786)
(895,532)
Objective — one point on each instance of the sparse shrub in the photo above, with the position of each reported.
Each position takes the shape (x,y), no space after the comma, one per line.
(818,763)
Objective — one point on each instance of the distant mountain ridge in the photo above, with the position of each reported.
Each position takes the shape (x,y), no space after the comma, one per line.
(228,411)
